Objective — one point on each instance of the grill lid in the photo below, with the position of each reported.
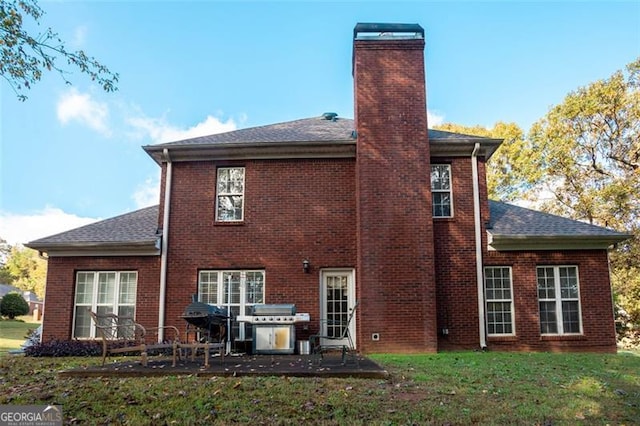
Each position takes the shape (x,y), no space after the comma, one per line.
(274,309)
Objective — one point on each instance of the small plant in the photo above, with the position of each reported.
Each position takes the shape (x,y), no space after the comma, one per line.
(13,305)
(59,348)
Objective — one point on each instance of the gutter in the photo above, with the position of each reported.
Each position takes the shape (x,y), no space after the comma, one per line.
(478,235)
(165,247)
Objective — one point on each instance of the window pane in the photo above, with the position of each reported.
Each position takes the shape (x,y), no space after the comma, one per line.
(106,288)
(127,291)
(231,282)
(570,317)
(441,204)
(546,285)
(84,288)
(255,287)
(548,323)
(83,323)
(230,207)
(568,283)
(208,288)
(440,177)
(499,318)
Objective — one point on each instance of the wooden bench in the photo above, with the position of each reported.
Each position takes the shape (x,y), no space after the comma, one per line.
(121,334)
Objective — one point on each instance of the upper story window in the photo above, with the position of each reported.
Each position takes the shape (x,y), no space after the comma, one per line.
(559,299)
(441,190)
(230,194)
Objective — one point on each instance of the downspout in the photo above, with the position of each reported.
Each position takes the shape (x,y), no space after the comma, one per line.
(165,247)
(478,232)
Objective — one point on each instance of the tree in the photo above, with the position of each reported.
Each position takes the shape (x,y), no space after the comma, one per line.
(24,57)
(13,305)
(5,250)
(508,164)
(586,151)
(27,269)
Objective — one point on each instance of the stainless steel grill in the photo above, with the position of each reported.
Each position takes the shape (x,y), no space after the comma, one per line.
(274,329)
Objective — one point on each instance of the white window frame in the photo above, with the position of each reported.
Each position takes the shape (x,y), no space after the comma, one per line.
(94,302)
(448,190)
(220,194)
(558,299)
(508,300)
(241,299)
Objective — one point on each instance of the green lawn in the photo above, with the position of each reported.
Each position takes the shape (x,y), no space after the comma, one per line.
(446,388)
(13,332)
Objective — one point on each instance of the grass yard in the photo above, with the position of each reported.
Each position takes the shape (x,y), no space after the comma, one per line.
(13,332)
(446,388)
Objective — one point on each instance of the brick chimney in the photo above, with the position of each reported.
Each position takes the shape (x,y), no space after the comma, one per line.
(395,266)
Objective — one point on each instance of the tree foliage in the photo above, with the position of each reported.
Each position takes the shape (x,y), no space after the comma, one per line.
(24,57)
(27,270)
(13,305)
(587,153)
(508,164)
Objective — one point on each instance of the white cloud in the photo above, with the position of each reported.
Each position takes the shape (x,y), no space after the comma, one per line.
(79,36)
(434,119)
(160,131)
(147,193)
(81,107)
(22,228)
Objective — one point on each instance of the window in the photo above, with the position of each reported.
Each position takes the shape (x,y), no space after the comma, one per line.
(559,299)
(238,290)
(103,293)
(230,194)
(499,300)
(441,190)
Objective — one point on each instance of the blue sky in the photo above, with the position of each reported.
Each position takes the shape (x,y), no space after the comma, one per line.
(72,154)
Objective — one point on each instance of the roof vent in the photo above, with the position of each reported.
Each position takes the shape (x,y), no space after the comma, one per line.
(330,116)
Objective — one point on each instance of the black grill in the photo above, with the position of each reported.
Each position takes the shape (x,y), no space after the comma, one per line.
(206,318)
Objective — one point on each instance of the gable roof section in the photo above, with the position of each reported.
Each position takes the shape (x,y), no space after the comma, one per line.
(315,137)
(132,233)
(518,228)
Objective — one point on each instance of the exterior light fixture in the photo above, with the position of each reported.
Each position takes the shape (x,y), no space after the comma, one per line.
(306,266)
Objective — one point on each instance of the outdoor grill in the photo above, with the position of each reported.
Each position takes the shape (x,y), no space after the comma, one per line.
(274,329)
(205,318)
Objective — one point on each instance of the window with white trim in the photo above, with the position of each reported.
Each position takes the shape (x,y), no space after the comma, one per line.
(559,300)
(499,300)
(441,190)
(230,194)
(235,290)
(104,292)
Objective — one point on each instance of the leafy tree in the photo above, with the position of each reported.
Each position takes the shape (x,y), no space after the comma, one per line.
(28,270)
(508,164)
(23,57)
(5,249)
(587,153)
(13,305)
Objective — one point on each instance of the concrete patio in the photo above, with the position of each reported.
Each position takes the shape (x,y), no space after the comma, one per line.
(243,365)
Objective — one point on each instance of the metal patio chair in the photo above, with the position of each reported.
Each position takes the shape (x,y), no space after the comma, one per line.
(321,343)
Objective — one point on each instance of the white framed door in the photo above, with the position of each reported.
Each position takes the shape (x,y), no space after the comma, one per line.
(337,301)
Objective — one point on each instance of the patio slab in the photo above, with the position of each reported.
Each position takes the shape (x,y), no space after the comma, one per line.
(244,365)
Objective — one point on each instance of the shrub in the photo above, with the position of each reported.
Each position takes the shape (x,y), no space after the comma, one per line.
(56,348)
(13,305)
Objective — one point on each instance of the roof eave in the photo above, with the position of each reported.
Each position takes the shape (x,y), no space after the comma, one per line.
(97,248)
(517,242)
(254,151)
(463,147)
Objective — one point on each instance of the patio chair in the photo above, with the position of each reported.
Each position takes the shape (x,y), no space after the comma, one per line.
(121,334)
(343,342)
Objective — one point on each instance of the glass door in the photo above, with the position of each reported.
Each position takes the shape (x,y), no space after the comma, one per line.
(336,304)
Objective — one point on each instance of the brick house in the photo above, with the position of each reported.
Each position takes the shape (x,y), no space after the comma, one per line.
(379,209)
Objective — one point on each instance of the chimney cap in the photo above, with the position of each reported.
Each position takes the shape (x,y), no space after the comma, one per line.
(385,30)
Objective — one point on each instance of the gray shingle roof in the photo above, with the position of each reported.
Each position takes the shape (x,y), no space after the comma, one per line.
(314,129)
(137,228)
(512,225)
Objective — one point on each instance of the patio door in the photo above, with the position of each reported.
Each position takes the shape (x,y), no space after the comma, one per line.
(337,300)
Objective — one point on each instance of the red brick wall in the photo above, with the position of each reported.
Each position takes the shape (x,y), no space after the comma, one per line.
(595,299)
(394,228)
(60,290)
(294,210)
